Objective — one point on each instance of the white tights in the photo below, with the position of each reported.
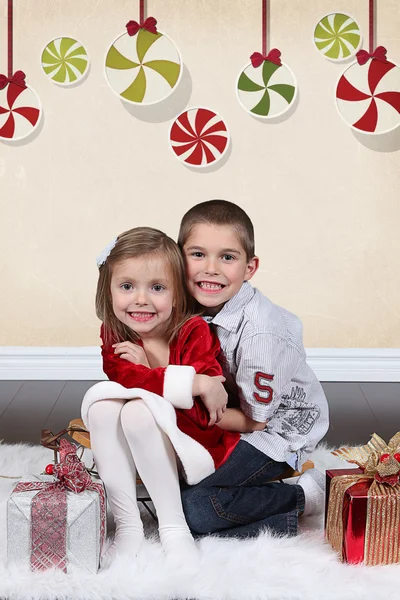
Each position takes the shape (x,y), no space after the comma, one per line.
(124,435)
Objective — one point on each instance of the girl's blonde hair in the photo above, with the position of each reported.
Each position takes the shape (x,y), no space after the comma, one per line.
(143,242)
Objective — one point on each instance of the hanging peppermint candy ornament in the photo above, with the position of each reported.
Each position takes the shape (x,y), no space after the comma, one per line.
(199,137)
(143,66)
(266,87)
(20,108)
(368,92)
(65,61)
(337,37)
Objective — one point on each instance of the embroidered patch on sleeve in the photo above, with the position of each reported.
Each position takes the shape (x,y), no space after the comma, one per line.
(266,394)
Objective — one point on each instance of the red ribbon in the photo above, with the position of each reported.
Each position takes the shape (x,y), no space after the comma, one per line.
(71,471)
(273,56)
(49,509)
(149,24)
(379,53)
(18,78)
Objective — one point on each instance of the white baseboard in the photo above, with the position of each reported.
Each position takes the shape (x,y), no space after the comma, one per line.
(355,364)
(65,363)
(55,362)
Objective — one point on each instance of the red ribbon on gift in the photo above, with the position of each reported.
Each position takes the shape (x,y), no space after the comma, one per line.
(273,56)
(379,53)
(49,509)
(149,24)
(18,78)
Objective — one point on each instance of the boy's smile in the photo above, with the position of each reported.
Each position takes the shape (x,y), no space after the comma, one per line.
(209,287)
(216,265)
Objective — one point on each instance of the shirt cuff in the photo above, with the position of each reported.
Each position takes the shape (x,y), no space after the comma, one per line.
(178,385)
(254,412)
(292,461)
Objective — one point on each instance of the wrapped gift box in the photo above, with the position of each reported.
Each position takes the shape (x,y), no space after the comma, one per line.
(57,521)
(362,517)
(353,515)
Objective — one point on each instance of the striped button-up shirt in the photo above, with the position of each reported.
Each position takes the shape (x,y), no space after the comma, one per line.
(267,375)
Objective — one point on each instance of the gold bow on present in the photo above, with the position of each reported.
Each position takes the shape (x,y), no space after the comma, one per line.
(381,464)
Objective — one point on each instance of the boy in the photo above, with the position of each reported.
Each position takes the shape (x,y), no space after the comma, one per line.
(282,410)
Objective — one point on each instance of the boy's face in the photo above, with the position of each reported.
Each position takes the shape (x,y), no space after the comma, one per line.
(216,265)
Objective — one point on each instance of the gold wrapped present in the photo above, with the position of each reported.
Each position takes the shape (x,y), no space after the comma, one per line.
(363,505)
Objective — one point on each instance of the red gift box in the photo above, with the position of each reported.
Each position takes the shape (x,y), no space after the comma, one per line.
(354,515)
(362,516)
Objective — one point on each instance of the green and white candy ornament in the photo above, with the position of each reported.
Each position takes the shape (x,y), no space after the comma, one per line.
(143,66)
(337,36)
(266,88)
(65,61)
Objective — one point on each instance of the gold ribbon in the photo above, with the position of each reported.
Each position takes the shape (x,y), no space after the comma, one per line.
(382,531)
(367,456)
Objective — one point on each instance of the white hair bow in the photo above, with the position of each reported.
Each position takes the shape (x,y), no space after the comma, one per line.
(102,257)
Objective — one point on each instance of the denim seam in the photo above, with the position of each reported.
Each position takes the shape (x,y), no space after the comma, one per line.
(259,472)
(292,522)
(225,515)
(301,500)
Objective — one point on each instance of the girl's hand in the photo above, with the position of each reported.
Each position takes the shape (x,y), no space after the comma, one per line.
(213,395)
(132,353)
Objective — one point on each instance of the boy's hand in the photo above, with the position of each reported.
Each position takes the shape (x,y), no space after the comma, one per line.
(132,353)
(212,394)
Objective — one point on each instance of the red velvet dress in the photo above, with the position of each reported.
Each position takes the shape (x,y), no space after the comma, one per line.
(195,346)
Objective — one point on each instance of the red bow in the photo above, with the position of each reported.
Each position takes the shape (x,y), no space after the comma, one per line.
(378,54)
(273,56)
(18,78)
(149,24)
(70,471)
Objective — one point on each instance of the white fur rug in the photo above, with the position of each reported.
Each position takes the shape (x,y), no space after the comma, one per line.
(266,568)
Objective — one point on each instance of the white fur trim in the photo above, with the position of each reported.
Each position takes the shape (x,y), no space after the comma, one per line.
(197,462)
(178,384)
(102,391)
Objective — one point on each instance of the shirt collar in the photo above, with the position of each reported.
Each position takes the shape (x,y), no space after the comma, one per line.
(229,317)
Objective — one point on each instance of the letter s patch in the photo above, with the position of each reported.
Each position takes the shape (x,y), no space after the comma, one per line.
(266,390)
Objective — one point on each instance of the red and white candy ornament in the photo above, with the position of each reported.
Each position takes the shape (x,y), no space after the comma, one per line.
(368,95)
(368,92)
(199,137)
(20,108)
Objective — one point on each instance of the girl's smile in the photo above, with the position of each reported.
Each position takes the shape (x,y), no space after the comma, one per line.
(141,316)
(142,294)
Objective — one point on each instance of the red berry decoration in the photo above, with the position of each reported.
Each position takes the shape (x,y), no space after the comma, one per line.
(49,469)
(384,458)
(397,456)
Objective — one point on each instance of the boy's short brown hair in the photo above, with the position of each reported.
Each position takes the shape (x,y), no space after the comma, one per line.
(222,213)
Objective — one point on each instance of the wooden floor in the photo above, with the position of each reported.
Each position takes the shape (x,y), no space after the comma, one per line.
(356,409)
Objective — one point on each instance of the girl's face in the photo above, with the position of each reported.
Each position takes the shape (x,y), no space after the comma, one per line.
(142,295)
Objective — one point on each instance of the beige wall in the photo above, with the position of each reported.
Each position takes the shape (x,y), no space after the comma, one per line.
(326,207)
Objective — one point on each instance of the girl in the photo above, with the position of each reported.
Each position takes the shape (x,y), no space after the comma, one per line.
(157,356)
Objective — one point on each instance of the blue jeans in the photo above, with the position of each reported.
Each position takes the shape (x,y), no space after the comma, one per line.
(239,500)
